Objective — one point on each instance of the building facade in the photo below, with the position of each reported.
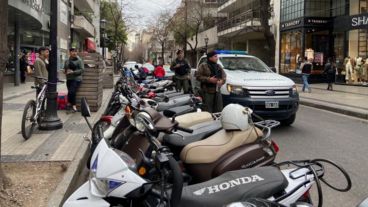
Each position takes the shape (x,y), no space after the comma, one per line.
(29,29)
(242,30)
(324,29)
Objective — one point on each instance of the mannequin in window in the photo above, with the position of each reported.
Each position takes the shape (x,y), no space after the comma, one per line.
(348,69)
(359,69)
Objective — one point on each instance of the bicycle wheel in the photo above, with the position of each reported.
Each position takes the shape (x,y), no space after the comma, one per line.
(28,121)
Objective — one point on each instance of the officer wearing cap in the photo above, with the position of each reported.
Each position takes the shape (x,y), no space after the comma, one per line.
(181,68)
(211,76)
(74,68)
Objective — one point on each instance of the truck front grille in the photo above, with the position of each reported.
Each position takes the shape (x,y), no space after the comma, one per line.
(268,93)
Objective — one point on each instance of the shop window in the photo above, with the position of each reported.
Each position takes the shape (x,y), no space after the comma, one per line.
(290,51)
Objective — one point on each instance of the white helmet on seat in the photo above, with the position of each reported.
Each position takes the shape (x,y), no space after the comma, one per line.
(235,117)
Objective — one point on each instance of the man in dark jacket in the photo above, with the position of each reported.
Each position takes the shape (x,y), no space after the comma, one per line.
(330,71)
(181,68)
(212,77)
(74,68)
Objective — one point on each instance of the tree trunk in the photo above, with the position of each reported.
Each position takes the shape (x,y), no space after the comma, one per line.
(4,181)
(163,52)
(265,11)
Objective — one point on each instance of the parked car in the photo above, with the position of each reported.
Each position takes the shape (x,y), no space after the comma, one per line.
(250,82)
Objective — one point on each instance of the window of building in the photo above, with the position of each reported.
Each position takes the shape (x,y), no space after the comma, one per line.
(291,9)
(290,51)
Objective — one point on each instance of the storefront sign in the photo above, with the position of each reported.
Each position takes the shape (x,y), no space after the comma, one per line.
(346,23)
(34,4)
(359,21)
(291,24)
(316,22)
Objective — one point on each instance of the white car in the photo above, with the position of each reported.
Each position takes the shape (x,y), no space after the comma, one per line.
(250,82)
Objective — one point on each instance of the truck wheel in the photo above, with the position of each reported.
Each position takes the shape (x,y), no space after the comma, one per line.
(289,121)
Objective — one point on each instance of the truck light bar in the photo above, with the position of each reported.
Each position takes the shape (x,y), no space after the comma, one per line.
(232,52)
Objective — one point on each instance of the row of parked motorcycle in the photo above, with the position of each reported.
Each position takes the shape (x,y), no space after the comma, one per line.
(155,147)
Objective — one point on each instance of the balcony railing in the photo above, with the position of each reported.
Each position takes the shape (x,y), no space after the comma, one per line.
(221,2)
(83,25)
(248,16)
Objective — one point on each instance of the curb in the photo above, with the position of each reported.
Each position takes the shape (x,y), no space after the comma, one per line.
(18,95)
(68,184)
(334,109)
(65,187)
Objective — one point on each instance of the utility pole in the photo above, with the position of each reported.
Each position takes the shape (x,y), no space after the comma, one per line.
(186,26)
(51,120)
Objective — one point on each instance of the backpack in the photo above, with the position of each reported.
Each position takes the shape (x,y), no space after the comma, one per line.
(142,73)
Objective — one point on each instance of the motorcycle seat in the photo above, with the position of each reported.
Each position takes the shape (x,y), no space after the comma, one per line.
(174,102)
(214,147)
(200,131)
(191,119)
(179,110)
(262,182)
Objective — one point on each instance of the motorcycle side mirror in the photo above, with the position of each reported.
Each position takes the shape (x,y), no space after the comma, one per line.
(85,111)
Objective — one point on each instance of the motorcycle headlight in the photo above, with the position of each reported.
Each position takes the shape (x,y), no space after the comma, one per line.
(102,187)
(237,90)
(142,121)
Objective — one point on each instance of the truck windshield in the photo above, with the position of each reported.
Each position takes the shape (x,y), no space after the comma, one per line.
(244,64)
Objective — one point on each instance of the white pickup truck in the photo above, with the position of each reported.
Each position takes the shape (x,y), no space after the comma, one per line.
(250,82)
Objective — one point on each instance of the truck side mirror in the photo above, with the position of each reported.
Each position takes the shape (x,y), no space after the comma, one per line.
(273,69)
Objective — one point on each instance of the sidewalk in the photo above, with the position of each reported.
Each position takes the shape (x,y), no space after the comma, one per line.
(50,158)
(348,100)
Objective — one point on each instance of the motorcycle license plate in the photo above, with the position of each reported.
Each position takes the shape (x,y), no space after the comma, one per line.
(272,104)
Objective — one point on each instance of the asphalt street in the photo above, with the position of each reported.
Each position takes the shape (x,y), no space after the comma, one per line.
(321,134)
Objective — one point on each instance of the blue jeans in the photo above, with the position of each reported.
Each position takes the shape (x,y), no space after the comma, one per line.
(305,81)
(72,86)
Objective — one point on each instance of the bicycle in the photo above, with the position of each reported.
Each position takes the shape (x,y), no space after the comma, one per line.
(34,111)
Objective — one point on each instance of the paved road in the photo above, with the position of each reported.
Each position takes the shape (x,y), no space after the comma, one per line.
(321,134)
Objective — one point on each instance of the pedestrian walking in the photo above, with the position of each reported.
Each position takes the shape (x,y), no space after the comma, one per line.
(23,66)
(40,67)
(306,68)
(211,76)
(74,68)
(159,72)
(181,68)
(330,72)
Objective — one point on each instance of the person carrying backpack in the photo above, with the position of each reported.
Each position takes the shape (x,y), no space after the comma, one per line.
(159,72)
(181,68)
(330,72)
(142,75)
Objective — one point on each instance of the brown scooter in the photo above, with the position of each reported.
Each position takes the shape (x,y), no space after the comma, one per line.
(223,151)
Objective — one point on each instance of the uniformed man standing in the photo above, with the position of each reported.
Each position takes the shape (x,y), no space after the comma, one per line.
(212,77)
(181,68)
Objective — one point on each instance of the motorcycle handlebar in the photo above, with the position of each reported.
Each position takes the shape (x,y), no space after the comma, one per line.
(184,129)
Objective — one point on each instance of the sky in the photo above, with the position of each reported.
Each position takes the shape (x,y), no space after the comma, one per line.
(145,12)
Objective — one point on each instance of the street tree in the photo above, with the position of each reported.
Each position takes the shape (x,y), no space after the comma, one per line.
(161,31)
(187,23)
(265,16)
(4,181)
(116,29)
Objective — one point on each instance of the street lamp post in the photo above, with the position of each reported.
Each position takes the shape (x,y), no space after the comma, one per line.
(51,121)
(206,39)
(103,30)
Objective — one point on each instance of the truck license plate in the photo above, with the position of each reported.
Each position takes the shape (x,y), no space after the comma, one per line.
(272,104)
